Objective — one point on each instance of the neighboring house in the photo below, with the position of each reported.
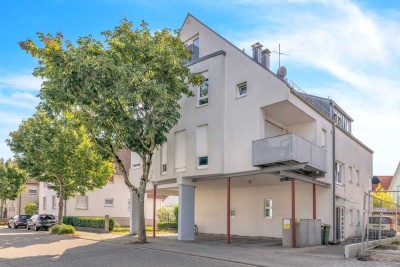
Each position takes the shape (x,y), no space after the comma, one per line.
(113,199)
(254,146)
(395,184)
(29,194)
(384,180)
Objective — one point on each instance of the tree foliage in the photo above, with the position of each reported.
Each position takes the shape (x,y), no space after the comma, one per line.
(54,150)
(11,180)
(126,89)
(31,208)
(387,198)
(165,214)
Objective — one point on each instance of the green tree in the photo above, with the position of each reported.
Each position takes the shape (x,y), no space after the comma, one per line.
(57,152)
(387,198)
(165,214)
(31,208)
(126,90)
(11,180)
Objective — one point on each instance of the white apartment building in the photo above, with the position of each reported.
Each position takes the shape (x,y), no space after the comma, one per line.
(29,194)
(251,149)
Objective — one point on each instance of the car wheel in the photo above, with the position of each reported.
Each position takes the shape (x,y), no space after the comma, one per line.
(9,226)
(15,226)
(36,228)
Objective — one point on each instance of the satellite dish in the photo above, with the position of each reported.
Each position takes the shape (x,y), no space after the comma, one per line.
(282,72)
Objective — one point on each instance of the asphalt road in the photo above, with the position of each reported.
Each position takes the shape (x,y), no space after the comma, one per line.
(19,247)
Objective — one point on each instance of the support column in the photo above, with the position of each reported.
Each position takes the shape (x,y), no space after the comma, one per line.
(133,218)
(293,213)
(186,212)
(228,211)
(314,201)
(154,209)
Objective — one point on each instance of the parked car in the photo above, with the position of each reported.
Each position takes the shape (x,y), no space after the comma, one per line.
(41,221)
(387,226)
(18,220)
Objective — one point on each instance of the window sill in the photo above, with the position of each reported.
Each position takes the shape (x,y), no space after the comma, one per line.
(163,173)
(268,218)
(202,167)
(200,106)
(180,170)
(240,96)
(108,206)
(341,184)
(81,208)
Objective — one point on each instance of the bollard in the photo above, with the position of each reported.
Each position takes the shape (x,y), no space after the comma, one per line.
(107,223)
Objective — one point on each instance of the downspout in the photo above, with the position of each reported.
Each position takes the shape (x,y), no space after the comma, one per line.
(333,174)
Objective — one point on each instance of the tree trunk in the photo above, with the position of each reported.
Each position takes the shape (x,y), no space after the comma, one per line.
(1,210)
(141,219)
(61,205)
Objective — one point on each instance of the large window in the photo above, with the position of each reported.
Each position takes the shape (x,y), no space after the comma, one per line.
(351,217)
(54,202)
(357,177)
(268,208)
(323,138)
(180,151)
(350,174)
(339,172)
(82,202)
(203,91)
(202,146)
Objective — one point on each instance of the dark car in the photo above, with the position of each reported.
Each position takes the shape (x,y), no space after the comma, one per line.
(18,220)
(41,221)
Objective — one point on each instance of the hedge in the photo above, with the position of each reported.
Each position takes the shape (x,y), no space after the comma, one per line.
(89,222)
(167,225)
(62,229)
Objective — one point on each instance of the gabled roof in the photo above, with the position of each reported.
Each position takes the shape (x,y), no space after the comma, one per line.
(384,180)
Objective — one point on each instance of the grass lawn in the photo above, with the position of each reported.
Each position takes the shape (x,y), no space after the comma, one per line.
(124,230)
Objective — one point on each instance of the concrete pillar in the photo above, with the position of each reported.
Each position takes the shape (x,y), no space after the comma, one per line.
(134,211)
(186,212)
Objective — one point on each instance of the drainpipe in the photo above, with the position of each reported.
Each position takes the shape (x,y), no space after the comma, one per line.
(333,174)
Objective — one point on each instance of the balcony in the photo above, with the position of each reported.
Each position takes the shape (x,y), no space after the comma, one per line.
(290,149)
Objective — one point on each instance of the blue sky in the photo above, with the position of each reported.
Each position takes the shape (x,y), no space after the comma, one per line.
(347,50)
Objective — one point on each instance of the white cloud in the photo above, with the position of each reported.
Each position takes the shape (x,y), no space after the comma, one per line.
(19,99)
(26,82)
(356,46)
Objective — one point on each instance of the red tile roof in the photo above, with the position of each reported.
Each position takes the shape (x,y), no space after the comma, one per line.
(32,181)
(385,181)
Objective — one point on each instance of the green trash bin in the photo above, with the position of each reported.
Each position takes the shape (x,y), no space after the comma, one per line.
(322,233)
(327,228)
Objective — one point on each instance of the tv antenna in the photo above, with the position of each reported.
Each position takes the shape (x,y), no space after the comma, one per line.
(281,53)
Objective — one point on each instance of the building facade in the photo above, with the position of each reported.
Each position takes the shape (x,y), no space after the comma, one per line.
(29,194)
(252,149)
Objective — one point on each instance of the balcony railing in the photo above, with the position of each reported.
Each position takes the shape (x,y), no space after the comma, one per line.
(290,149)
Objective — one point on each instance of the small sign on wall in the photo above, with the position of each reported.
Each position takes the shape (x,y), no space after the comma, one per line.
(286,224)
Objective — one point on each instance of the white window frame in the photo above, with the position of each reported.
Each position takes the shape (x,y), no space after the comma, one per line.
(53,202)
(135,165)
(163,159)
(82,208)
(339,173)
(204,153)
(358,177)
(238,89)
(324,138)
(350,174)
(108,204)
(233,213)
(200,98)
(268,208)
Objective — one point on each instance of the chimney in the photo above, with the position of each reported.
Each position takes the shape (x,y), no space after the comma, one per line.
(265,56)
(257,52)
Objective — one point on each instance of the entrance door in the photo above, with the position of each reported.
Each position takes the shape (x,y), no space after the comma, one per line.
(340,223)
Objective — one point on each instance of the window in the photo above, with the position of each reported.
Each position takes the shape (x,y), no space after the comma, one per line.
(242,89)
(32,190)
(357,177)
(202,146)
(54,202)
(339,173)
(180,151)
(164,159)
(350,174)
(196,48)
(108,202)
(135,165)
(358,218)
(233,213)
(351,221)
(111,179)
(82,202)
(268,208)
(323,140)
(136,160)
(203,91)
(44,203)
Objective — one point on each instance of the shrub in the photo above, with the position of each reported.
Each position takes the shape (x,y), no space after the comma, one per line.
(62,229)
(176,212)
(165,226)
(89,222)
(31,208)
(165,214)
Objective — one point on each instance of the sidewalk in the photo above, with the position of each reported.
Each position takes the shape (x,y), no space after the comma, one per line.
(247,254)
